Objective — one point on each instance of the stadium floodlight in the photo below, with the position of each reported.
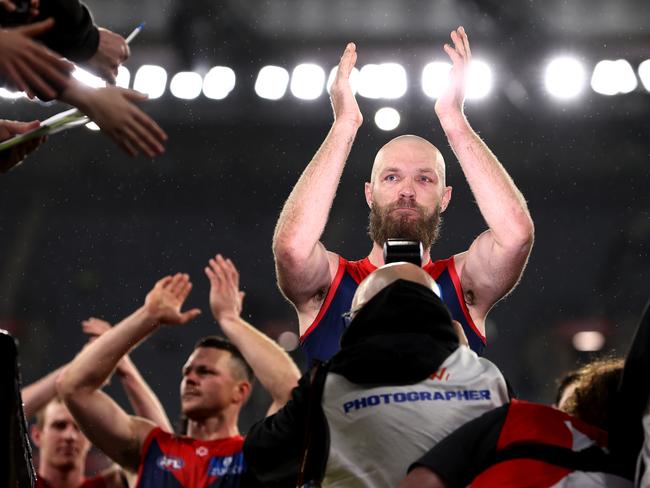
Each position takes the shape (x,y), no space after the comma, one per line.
(123,77)
(644,74)
(150,80)
(393,82)
(565,77)
(186,85)
(354,79)
(307,81)
(479,80)
(11,95)
(386,80)
(88,78)
(588,340)
(271,82)
(435,78)
(369,76)
(613,77)
(387,118)
(219,82)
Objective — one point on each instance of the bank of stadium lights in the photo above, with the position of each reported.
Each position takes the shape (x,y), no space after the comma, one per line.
(565,77)
(613,77)
(386,81)
(354,79)
(218,82)
(479,80)
(151,80)
(271,82)
(644,74)
(387,118)
(88,78)
(123,77)
(307,81)
(186,85)
(11,95)
(435,78)
(588,341)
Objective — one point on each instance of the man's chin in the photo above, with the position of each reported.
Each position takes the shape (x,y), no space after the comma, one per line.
(194,411)
(66,462)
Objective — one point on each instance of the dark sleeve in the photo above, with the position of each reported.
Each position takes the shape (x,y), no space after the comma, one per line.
(273,446)
(466,452)
(74,34)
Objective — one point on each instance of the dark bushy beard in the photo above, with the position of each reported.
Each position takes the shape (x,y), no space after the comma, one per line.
(383,226)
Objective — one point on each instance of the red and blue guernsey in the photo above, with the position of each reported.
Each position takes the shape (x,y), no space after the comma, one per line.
(321,340)
(171,461)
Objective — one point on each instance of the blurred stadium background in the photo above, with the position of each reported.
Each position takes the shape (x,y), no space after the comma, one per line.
(560,92)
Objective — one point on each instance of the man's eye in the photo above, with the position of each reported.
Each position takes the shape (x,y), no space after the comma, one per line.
(425,179)
(391,178)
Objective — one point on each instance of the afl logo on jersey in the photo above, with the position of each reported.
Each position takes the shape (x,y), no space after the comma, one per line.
(169,463)
(221,466)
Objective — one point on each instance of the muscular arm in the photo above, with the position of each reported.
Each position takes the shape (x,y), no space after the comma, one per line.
(272,366)
(144,401)
(105,423)
(304,267)
(496,259)
(38,394)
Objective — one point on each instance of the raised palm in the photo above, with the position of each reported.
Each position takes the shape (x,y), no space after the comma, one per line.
(451,101)
(344,102)
(163,303)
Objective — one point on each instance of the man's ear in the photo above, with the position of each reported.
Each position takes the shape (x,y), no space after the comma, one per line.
(446,197)
(242,391)
(36,435)
(368,192)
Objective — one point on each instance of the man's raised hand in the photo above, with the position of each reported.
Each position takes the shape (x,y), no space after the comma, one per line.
(225,297)
(163,303)
(94,327)
(343,101)
(451,101)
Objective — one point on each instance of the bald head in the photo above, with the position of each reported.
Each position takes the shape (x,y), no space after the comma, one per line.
(411,148)
(384,276)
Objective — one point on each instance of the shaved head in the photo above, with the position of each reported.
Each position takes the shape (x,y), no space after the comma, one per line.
(413,147)
(384,276)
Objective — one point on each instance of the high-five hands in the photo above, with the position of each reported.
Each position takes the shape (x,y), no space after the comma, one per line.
(28,65)
(225,297)
(163,303)
(343,101)
(451,101)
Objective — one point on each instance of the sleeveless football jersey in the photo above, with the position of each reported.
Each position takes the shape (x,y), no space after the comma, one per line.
(175,461)
(321,340)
